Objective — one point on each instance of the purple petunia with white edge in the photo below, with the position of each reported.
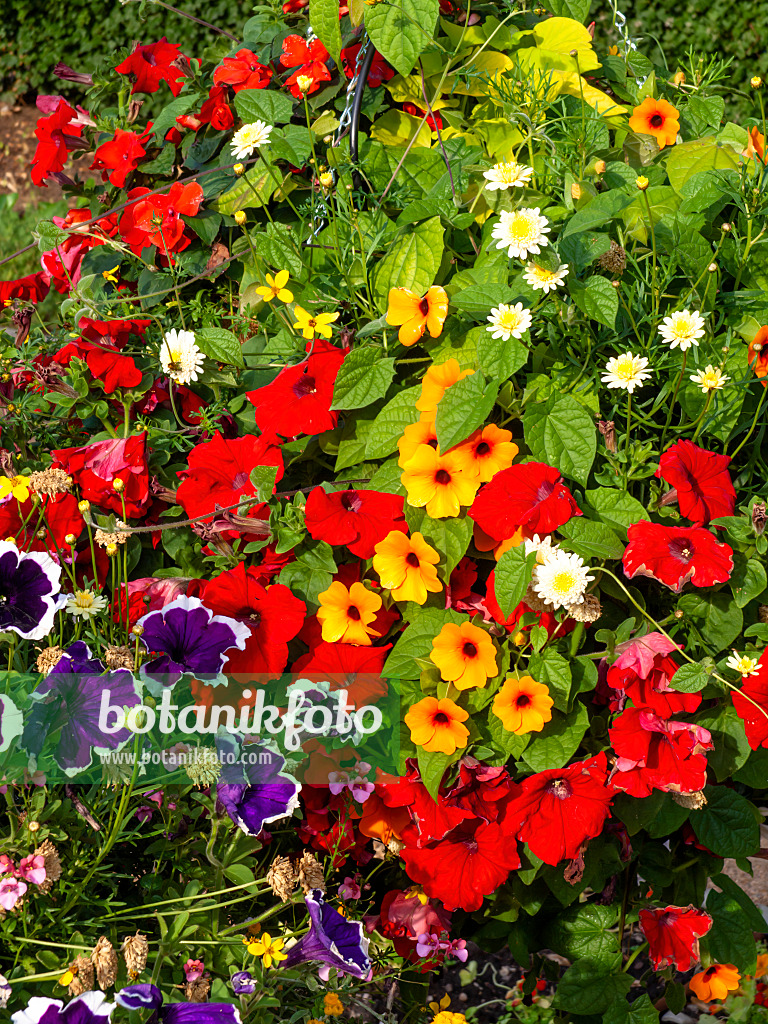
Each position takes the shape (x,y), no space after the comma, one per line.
(332,939)
(29,591)
(148,997)
(88,1008)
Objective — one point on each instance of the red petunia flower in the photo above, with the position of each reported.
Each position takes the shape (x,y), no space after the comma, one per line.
(347,667)
(187,402)
(215,112)
(152,64)
(470,862)
(701,481)
(754,690)
(273,615)
(219,473)
(156,220)
(56,135)
(113,369)
(480,790)
(96,466)
(356,519)
(434,121)
(120,156)
(298,401)
(243,71)
(673,935)
(380,70)
(675,555)
(560,809)
(530,495)
(311,58)
(63,264)
(32,288)
(112,333)
(644,670)
(654,753)
(546,619)
(405,916)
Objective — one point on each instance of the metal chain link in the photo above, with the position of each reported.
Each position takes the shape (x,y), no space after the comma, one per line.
(620,24)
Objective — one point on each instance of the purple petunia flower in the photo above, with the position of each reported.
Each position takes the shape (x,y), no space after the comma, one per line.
(243,983)
(185,636)
(332,939)
(88,1008)
(29,591)
(253,790)
(72,698)
(147,996)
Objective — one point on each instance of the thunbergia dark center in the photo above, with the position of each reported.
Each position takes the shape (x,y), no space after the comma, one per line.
(440,717)
(483,448)
(442,476)
(412,560)
(469,650)
(523,700)
(353,613)
(423,307)
(657,121)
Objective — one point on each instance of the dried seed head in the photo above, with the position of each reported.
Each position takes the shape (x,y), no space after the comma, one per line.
(50,855)
(82,968)
(118,657)
(607,429)
(589,610)
(134,950)
(104,959)
(762,613)
(615,260)
(282,878)
(50,482)
(759,517)
(197,991)
(693,801)
(311,873)
(48,659)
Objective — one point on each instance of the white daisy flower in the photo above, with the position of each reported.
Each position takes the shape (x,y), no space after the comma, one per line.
(507,322)
(711,379)
(180,357)
(249,138)
(85,604)
(542,546)
(743,664)
(682,329)
(541,279)
(521,232)
(562,579)
(508,174)
(626,371)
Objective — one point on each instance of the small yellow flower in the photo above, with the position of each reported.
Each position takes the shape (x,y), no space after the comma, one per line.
(332,1005)
(326,179)
(756,82)
(111,275)
(66,979)
(239,169)
(304,82)
(417,892)
(642,182)
(118,484)
(83,506)
(710,379)
(275,288)
(310,325)
(18,486)
(267,948)
(444,1003)
(240,217)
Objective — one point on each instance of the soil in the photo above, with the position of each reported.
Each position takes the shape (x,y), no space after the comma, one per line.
(17,145)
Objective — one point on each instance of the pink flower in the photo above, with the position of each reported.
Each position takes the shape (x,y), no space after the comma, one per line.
(354,781)
(638,655)
(33,869)
(6,865)
(350,888)
(11,891)
(193,969)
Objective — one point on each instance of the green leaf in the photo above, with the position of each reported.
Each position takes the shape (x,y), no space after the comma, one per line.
(748,580)
(220,345)
(559,740)
(561,432)
(499,359)
(601,209)
(324,19)
(597,299)
(167,117)
(399,413)
(253,189)
(432,767)
(463,408)
(263,479)
(363,378)
(728,735)
(512,575)
(551,668)
(401,29)
(755,919)
(691,158)
(263,105)
(583,932)
(585,989)
(617,508)
(690,678)
(48,236)
(641,1011)
(416,641)
(727,825)
(412,261)
(730,939)
(240,874)
(311,573)
(507,742)
(576,9)
(716,617)
(592,540)
(479,298)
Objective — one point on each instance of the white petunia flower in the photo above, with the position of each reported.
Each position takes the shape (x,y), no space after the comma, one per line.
(521,232)
(711,379)
(626,371)
(562,579)
(541,279)
(507,322)
(682,329)
(743,664)
(508,174)
(180,357)
(85,604)
(249,138)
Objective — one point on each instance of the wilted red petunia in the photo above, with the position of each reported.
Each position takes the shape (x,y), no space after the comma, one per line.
(112,368)
(356,519)
(380,70)
(56,135)
(754,690)
(674,555)
(63,264)
(215,111)
(156,219)
(120,155)
(654,753)
(530,495)
(311,57)
(273,615)
(673,935)
(152,64)
(700,479)
(470,862)
(95,467)
(243,71)
(644,670)
(298,401)
(560,809)
(32,288)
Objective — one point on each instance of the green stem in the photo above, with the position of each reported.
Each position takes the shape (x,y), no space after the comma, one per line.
(653,243)
(674,399)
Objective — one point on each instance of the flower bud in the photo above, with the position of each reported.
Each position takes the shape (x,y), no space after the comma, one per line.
(239,169)
(138,630)
(326,179)
(575,190)
(70,539)
(712,268)
(759,518)
(600,166)
(725,226)
(679,78)
(118,484)
(642,182)
(111,549)
(83,506)
(240,217)
(33,826)
(756,82)
(304,83)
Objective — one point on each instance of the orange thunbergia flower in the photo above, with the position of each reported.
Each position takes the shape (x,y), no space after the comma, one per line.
(412,313)
(464,654)
(436,382)
(415,434)
(486,452)
(435,481)
(762,965)
(755,146)
(657,118)
(757,354)
(436,725)
(406,566)
(716,982)
(346,615)
(523,705)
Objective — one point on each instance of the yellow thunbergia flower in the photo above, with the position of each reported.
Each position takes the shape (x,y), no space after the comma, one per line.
(18,486)
(275,288)
(311,325)
(346,615)
(267,948)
